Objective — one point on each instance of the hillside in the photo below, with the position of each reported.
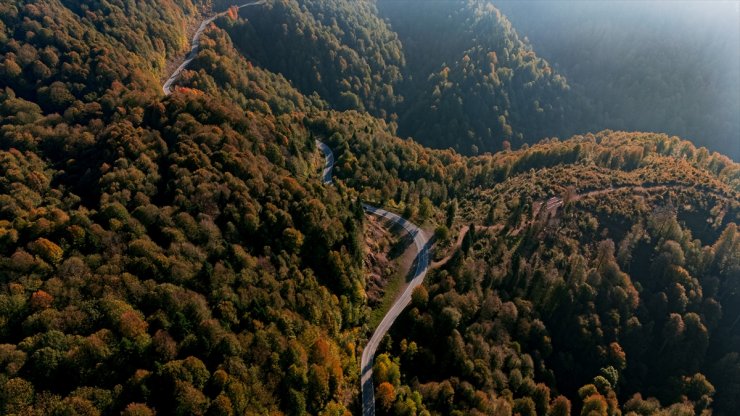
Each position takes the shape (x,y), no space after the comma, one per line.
(152,250)
(408,62)
(340,50)
(473,83)
(653,66)
(618,295)
(181,254)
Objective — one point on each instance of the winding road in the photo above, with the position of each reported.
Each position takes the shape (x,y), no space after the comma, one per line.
(422,243)
(329,164)
(422,265)
(421,240)
(195,45)
(554,203)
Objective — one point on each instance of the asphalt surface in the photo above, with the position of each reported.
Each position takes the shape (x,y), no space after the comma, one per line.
(421,241)
(195,45)
(329,164)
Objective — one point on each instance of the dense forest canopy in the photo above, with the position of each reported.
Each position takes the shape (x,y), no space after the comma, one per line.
(618,299)
(473,83)
(341,50)
(180,255)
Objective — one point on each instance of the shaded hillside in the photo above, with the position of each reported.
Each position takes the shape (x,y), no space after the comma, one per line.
(340,50)
(479,86)
(473,83)
(652,66)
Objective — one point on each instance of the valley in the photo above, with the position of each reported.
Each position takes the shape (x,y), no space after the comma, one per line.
(383,207)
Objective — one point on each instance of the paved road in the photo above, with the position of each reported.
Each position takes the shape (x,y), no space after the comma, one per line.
(195,45)
(329,164)
(422,265)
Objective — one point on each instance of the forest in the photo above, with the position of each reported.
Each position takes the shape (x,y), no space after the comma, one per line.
(180,255)
(619,302)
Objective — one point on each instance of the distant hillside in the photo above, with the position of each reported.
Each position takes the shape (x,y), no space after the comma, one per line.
(670,67)
(473,83)
(458,74)
(469,89)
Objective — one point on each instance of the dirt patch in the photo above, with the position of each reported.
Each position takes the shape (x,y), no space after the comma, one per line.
(389,261)
(378,261)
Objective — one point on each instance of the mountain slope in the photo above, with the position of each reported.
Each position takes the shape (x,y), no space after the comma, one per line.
(474,81)
(152,250)
(180,254)
(624,289)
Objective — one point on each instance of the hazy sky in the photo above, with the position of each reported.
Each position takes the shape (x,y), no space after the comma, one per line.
(691,42)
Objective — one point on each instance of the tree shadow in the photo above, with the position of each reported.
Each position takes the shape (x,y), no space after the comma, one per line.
(403,241)
(421,258)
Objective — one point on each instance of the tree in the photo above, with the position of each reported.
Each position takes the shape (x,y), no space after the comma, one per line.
(47,250)
(137,409)
(442,233)
(16,395)
(318,387)
(524,407)
(673,330)
(611,375)
(386,370)
(467,240)
(451,212)
(41,300)
(425,209)
(594,405)
(419,297)
(541,398)
(189,400)
(386,396)
(11,69)
(293,239)
(602,385)
(699,390)
(449,318)
(296,403)
(164,345)
(560,406)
